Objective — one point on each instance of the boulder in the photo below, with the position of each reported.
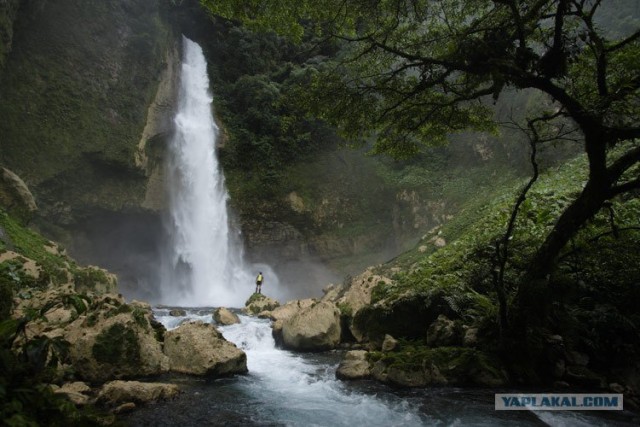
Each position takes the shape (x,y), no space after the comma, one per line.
(443,332)
(358,292)
(106,345)
(77,392)
(389,343)
(284,312)
(118,392)
(15,196)
(332,292)
(224,316)
(420,377)
(354,365)
(198,348)
(259,303)
(177,312)
(315,328)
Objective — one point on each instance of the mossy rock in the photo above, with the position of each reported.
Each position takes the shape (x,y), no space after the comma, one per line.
(407,317)
(117,345)
(416,365)
(258,303)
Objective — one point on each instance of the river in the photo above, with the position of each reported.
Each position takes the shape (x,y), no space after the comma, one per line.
(284,388)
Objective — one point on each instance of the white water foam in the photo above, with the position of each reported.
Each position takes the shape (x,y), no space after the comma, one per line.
(289,389)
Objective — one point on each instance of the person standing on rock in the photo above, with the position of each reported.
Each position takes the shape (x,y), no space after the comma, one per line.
(259,280)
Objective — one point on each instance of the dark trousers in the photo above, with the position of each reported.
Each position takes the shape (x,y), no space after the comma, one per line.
(258,287)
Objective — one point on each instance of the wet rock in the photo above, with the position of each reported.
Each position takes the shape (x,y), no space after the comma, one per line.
(224,316)
(198,348)
(177,312)
(389,343)
(353,366)
(118,392)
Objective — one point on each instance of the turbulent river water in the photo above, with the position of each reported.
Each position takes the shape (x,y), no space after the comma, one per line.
(291,389)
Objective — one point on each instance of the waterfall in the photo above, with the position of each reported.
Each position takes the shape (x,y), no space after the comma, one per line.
(202,265)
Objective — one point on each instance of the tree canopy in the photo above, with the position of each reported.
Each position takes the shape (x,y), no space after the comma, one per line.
(412,71)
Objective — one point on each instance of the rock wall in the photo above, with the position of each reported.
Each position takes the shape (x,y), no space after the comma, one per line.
(84,97)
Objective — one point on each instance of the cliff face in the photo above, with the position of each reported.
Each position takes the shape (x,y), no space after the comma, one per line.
(8,12)
(75,93)
(87,95)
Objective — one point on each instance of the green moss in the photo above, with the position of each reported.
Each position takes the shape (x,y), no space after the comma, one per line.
(32,245)
(458,364)
(92,319)
(79,302)
(117,345)
(345,309)
(253,298)
(140,318)
(7,285)
(86,279)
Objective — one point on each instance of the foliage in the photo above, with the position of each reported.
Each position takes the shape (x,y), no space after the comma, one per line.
(25,366)
(457,364)
(253,298)
(117,345)
(410,73)
(8,281)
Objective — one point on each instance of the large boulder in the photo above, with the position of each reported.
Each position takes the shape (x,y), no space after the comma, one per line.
(117,392)
(287,310)
(224,316)
(116,344)
(314,328)
(198,348)
(259,303)
(358,293)
(354,365)
(284,312)
(108,339)
(15,196)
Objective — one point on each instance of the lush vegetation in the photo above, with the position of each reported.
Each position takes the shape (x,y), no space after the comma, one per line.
(26,367)
(72,116)
(408,74)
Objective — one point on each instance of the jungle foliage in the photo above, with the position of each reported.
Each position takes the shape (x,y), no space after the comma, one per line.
(411,72)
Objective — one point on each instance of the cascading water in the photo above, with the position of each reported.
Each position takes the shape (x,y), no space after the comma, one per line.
(201,264)
(288,389)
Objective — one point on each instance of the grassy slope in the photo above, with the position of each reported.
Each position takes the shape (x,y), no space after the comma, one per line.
(596,284)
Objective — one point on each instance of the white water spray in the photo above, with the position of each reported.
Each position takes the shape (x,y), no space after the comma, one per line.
(202,266)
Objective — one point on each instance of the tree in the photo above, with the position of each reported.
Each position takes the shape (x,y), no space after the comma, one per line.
(412,71)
